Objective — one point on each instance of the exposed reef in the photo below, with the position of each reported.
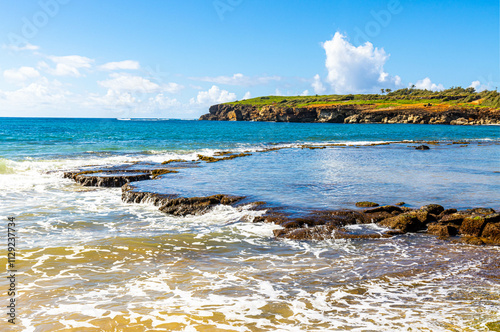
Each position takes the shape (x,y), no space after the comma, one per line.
(476,226)
(175,205)
(353,113)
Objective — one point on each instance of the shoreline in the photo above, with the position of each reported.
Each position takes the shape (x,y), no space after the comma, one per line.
(474,226)
(355,113)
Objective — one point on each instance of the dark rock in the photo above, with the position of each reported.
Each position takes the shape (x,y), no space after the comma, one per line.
(129,195)
(422,147)
(183,206)
(446,212)
(433,208)
(454,218)
(492,218)
(473,240)
(491,232)
(400,203)
(442,230)
(366,204)
(385,208)
(479,211)
(473,226)
(375,217)
(109,180)
(405,222)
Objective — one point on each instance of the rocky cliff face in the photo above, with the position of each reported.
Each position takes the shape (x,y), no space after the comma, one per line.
(355,114)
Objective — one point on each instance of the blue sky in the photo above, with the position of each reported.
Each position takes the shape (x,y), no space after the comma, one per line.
(174,59)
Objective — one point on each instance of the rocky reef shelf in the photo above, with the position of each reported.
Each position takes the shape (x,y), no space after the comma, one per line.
(477,226)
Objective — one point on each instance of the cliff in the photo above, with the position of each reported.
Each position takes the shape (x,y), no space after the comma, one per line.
(357,113)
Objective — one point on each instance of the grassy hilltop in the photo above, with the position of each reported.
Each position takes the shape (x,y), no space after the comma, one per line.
(456,96)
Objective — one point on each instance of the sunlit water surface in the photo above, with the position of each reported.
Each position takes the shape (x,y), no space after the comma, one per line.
(89,262)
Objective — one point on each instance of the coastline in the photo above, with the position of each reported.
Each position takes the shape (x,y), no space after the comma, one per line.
(356,113)
(476,225)
(285,241)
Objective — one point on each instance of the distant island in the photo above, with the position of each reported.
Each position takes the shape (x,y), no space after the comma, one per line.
(455,106)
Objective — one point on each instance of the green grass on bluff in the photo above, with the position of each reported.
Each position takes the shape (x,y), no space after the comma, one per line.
(453,96)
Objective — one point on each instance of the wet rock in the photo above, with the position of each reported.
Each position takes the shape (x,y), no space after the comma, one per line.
(473,240)
(386,208)
(433,208)
(183,206)
(422,147)
(109,180)
(446,212)
(405,222)
(479,211)
(376,217)
(380,213)
(442,230)
(492,218)
(366,204)
(473,226)
(400,203)
(491,233)
(129,195)
(454,218)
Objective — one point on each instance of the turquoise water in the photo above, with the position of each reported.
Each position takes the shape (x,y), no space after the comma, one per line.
(45,138)
(89,262)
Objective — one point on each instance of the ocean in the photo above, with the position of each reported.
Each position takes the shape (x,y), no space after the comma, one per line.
(86,261)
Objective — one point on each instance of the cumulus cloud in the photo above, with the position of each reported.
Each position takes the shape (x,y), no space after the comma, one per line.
(160,101)
(127,82)
(240,79)
(478,86)
(213,96)
(32,96)
(305,93)
(317,85)
(354,69)
(120,65)
(20,75)
(247,95)
(67,65)
(426,84)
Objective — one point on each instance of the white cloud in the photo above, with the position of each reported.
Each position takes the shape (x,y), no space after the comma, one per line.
(478,86)
(214,96)
(67,65)
(160,101)
(20,75)
(120,65)
(34,96)
(240,79)
(305,93)
(426,84)
(317,85)
(247,95)
(25,47)
(356,69)
(113,98)
(127,82)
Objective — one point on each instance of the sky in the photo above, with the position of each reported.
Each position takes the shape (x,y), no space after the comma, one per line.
(174,59)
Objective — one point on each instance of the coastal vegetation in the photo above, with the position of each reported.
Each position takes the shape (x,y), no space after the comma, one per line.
(453,96)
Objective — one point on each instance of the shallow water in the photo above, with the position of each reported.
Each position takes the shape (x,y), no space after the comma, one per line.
(90,262)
